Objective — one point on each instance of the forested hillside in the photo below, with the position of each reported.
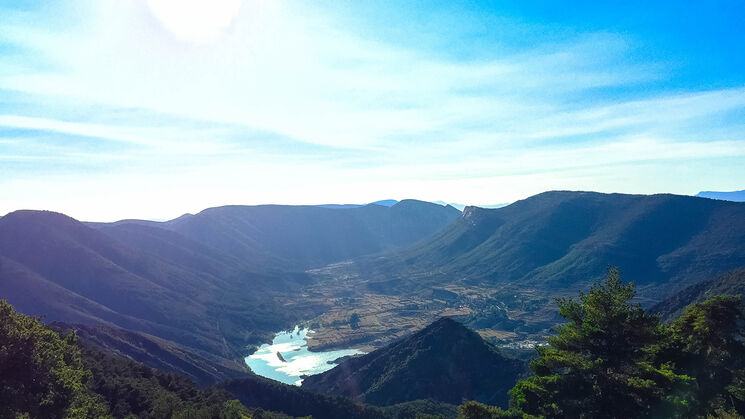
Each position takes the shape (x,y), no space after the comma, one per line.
(445,361)
(55,266)
(610,359)
(732,283)
(291,237)
(205,285)
(558,240)
(191,303)
(499,270)
(47,374)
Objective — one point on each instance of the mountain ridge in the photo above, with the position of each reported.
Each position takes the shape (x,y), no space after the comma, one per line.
(444,361)
(303,236)
(150,279)
(54,266)
(503,268)
(496,270)
(551,235)
(730,283)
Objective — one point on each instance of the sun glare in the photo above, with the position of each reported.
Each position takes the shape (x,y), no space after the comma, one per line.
(195,20)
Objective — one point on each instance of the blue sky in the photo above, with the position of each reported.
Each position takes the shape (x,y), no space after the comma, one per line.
(153,108)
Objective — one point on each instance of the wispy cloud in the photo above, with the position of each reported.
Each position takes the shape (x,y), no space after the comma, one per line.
(308,79)
(296,97)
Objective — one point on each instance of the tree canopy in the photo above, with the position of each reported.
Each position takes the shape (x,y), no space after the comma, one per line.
(46,375)
(598,364)
(612,359)
(42,374)
(707,343)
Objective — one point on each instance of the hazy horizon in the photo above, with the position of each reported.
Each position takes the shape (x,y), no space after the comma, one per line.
(150,109)
(102,218)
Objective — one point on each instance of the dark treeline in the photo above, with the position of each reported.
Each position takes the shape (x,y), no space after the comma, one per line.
(297,401)
(614,360)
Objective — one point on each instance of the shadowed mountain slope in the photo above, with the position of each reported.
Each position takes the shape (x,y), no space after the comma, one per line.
(213,282)
(259,392)
(54,266)
(561,240)
(731,283)
(445,361)
(208,283)
(297,237)
(161,354)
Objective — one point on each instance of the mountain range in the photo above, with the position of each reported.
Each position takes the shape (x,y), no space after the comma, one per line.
(499,270)
(187,295)
(293,237)
(210,282)
(562,240)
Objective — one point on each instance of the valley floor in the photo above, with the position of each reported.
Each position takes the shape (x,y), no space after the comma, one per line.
(384,318)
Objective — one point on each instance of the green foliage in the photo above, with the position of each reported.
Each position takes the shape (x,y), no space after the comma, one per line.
(41,374)
(723,414)
(420,409)
(131,388)
(257,391)
(599,364)
(476,410)
(44,375)
(707,343)
(612,359)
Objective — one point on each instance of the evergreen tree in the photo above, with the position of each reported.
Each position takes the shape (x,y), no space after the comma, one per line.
(707,343)
(600,362)
(476,410)
(41,374)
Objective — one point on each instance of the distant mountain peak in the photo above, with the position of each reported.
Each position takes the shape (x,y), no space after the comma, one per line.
(473,215)
(735,196)
(385,202)
(27,213)
(36,218)
(450,328)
